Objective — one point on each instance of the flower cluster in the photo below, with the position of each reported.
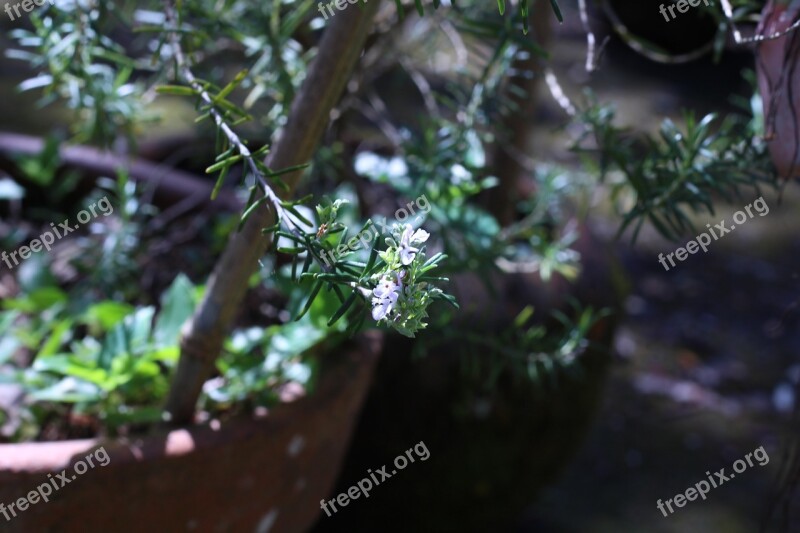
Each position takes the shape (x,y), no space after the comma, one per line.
(399,298)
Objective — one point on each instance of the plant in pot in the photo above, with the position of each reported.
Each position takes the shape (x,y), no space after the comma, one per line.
(83,357)
(85,354)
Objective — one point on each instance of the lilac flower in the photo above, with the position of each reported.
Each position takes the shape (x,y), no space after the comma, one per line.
(408,252)
(381,308)
(386,289)
(385,298)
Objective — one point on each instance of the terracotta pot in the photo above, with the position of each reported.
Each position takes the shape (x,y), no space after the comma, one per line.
(254,475)
(779,84)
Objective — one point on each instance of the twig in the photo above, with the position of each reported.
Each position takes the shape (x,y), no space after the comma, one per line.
(558,93)
(462,55)
(592,57)
(176,185)
(422,85)
(187,74)
(373,113)
(643,47)
(737,36)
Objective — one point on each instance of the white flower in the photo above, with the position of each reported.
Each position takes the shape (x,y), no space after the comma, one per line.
(408,252)
(420,236)
(381,308)
(385,296)
(386,289)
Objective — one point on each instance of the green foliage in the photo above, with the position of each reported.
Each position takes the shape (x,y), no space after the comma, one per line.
(355,282)
(527,351)
(241,64)
(41,171)
(82,66)
(113,361)
(259,361)
(111,254)
(453,159)
(664,177)
(107,359)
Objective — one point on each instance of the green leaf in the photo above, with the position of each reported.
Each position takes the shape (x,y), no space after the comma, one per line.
(293,210)
(373,257)
(105,315)
(177,305)
(177,90)
(224,164)
(557,10)
(116,344)
(37,301)
(291,251)
(250,210)
(274,229)
(343,309)
(287,170)
(311,297)
(220,181)
(228,89)
(69,390)
(138,327)
(290,236)
(56,339)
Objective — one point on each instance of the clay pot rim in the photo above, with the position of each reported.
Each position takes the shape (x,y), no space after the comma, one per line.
(353,358)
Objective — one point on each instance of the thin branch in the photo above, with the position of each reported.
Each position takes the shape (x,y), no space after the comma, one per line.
(462,55)
(372,112)
(592,56)
(737,36)
(422,85)
(558,93)
(643,48)
(186,73)
(171,184)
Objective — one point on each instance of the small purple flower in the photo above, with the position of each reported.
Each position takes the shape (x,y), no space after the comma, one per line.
(386,289)
(408,252)
(385,296)
(381,308)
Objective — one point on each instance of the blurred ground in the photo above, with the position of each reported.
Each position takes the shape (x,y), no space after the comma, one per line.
(706,373)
